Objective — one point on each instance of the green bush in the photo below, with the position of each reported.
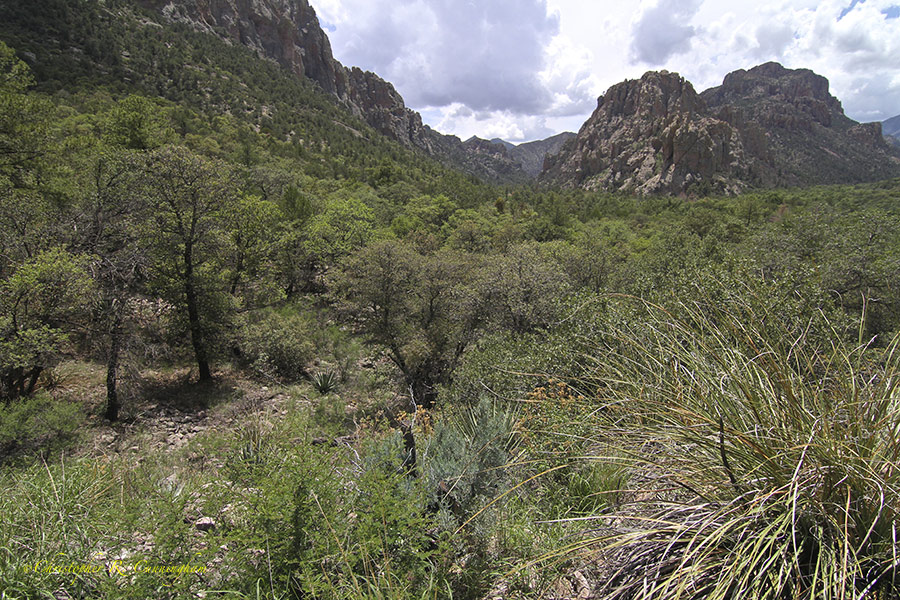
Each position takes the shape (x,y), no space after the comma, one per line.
(467,458)
(325,382)
(369,538)
(37,421)
(275,344)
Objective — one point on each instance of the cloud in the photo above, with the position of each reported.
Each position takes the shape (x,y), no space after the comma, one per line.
(521,68)
(858,50)
(772,40)
(663,31)
(485,55)
(492,124)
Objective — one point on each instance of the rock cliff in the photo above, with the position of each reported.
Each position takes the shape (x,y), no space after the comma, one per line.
(766,127)
(531,155)
(808,138)
(652,135)
(288,32)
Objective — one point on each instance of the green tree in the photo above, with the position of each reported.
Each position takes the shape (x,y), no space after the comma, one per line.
(187,197)
(344,226)
(422,309)
(109,221)
(40,305)
(521,290)
(252,227)
(24,142)
(136,123)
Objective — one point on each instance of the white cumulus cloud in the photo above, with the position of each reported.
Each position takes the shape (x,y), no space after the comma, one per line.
(522,69)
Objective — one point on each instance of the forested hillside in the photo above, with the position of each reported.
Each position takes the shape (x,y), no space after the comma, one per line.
(253,348)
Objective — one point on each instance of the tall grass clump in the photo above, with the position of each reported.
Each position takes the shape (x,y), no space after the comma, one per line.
(770,464)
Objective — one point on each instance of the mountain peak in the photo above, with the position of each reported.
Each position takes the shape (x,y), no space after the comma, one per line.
(766,126)
(657,93)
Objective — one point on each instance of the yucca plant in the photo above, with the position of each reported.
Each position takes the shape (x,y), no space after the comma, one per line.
(325,382)
(776,461)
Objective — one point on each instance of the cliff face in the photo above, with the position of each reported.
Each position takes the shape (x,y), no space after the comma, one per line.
(807,137)
(288,32)
(652,135)
(765,127)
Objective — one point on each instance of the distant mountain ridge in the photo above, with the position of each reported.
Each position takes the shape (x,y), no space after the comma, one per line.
(891,126)
(528,155)
(766,127)
(531,155)
(891,131)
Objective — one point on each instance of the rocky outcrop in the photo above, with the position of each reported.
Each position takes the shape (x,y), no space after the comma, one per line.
(808,138)
(652,135)
(288,32)
(766,127)
(528,157)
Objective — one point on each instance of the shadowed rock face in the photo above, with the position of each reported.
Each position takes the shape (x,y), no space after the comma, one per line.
(531,155)
(288,32)
(765,127)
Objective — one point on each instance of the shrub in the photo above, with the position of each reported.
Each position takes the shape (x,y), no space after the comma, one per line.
(466,458)
(275,344)
(325,382)
(37,421)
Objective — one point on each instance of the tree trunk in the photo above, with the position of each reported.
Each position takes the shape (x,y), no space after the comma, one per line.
(190,294)
(35,373)
(423,390)
(112,366)
(410,462)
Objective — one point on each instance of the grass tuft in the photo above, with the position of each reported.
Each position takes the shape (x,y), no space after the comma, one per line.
(773,462)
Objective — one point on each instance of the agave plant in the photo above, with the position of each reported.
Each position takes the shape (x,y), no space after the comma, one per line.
(778,461)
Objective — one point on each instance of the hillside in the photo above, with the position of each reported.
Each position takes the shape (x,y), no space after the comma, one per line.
(531,155)
(146,45)
(766,127)
(891,126)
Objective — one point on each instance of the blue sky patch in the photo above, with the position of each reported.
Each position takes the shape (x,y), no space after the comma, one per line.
(847,10)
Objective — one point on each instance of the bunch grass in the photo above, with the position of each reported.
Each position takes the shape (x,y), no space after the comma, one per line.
(773,461)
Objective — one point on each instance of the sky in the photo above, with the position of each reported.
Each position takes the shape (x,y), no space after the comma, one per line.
(526,69)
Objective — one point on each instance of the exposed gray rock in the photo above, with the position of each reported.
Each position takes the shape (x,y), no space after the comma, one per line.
(766,127)
(205,524)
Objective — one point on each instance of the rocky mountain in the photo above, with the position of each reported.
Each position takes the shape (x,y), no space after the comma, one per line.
(504,143)
(528,157)
(766,127)
(531,155)
(288,32)
(808,138)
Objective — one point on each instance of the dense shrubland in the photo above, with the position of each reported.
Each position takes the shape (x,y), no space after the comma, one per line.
(465,389)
